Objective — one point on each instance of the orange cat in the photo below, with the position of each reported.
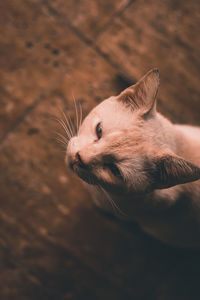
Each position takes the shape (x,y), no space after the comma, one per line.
(141,166)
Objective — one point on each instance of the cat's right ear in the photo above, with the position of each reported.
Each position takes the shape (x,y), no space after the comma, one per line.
(169,170)
(142,95)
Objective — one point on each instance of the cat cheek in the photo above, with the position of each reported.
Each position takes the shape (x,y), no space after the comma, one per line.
(105,176)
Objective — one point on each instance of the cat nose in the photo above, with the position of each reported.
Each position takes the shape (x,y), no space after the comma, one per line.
(79,160)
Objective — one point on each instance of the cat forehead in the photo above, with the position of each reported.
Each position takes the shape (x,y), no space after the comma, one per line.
(105,107)
(110,112)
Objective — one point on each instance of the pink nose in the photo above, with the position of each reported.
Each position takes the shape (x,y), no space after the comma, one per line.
(73,155)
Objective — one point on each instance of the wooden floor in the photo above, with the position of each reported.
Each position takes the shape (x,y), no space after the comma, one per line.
(54,244)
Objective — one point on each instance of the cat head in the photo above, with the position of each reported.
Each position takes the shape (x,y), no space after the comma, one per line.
(121,144)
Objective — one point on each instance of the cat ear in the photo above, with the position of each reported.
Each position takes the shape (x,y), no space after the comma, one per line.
(170,170)
(142,95)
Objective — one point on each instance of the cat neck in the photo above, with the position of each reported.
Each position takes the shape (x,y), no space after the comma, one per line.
(166,133)
(182,140)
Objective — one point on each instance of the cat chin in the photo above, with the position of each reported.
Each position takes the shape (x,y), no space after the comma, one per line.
(88,179)
(115,188)
(91,179)
(85,175)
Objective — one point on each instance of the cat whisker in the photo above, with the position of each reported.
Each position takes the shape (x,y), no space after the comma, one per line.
(66,140)
(81,114)
(67,123)
(104,192)
(72,127)
(109,200)
(61,141)
(119,210)
(114,205)
(64,126)
(77,118)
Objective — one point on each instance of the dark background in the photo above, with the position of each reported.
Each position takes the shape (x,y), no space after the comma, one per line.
(54,244)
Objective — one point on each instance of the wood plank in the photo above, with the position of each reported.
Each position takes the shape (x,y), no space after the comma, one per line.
(88,17)
(35,51)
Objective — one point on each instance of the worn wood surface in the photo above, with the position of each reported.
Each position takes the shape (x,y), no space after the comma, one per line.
(54,244)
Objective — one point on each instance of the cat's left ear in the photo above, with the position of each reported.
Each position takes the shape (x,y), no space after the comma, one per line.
(169,170)
(142,95)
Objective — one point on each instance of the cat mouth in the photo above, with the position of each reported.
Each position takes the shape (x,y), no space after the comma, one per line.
(84,173)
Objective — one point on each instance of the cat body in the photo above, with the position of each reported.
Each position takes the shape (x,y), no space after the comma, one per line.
(140,166)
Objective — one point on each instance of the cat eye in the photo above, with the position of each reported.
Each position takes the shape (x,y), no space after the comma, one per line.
(115,170)
(99,131)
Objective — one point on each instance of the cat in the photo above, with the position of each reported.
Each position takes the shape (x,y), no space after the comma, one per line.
(139,165)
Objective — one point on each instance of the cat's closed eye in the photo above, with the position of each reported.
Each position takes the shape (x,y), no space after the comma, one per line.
(115,170)
(99,131)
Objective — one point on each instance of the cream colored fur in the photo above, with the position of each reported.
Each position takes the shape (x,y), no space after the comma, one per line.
(157,163)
